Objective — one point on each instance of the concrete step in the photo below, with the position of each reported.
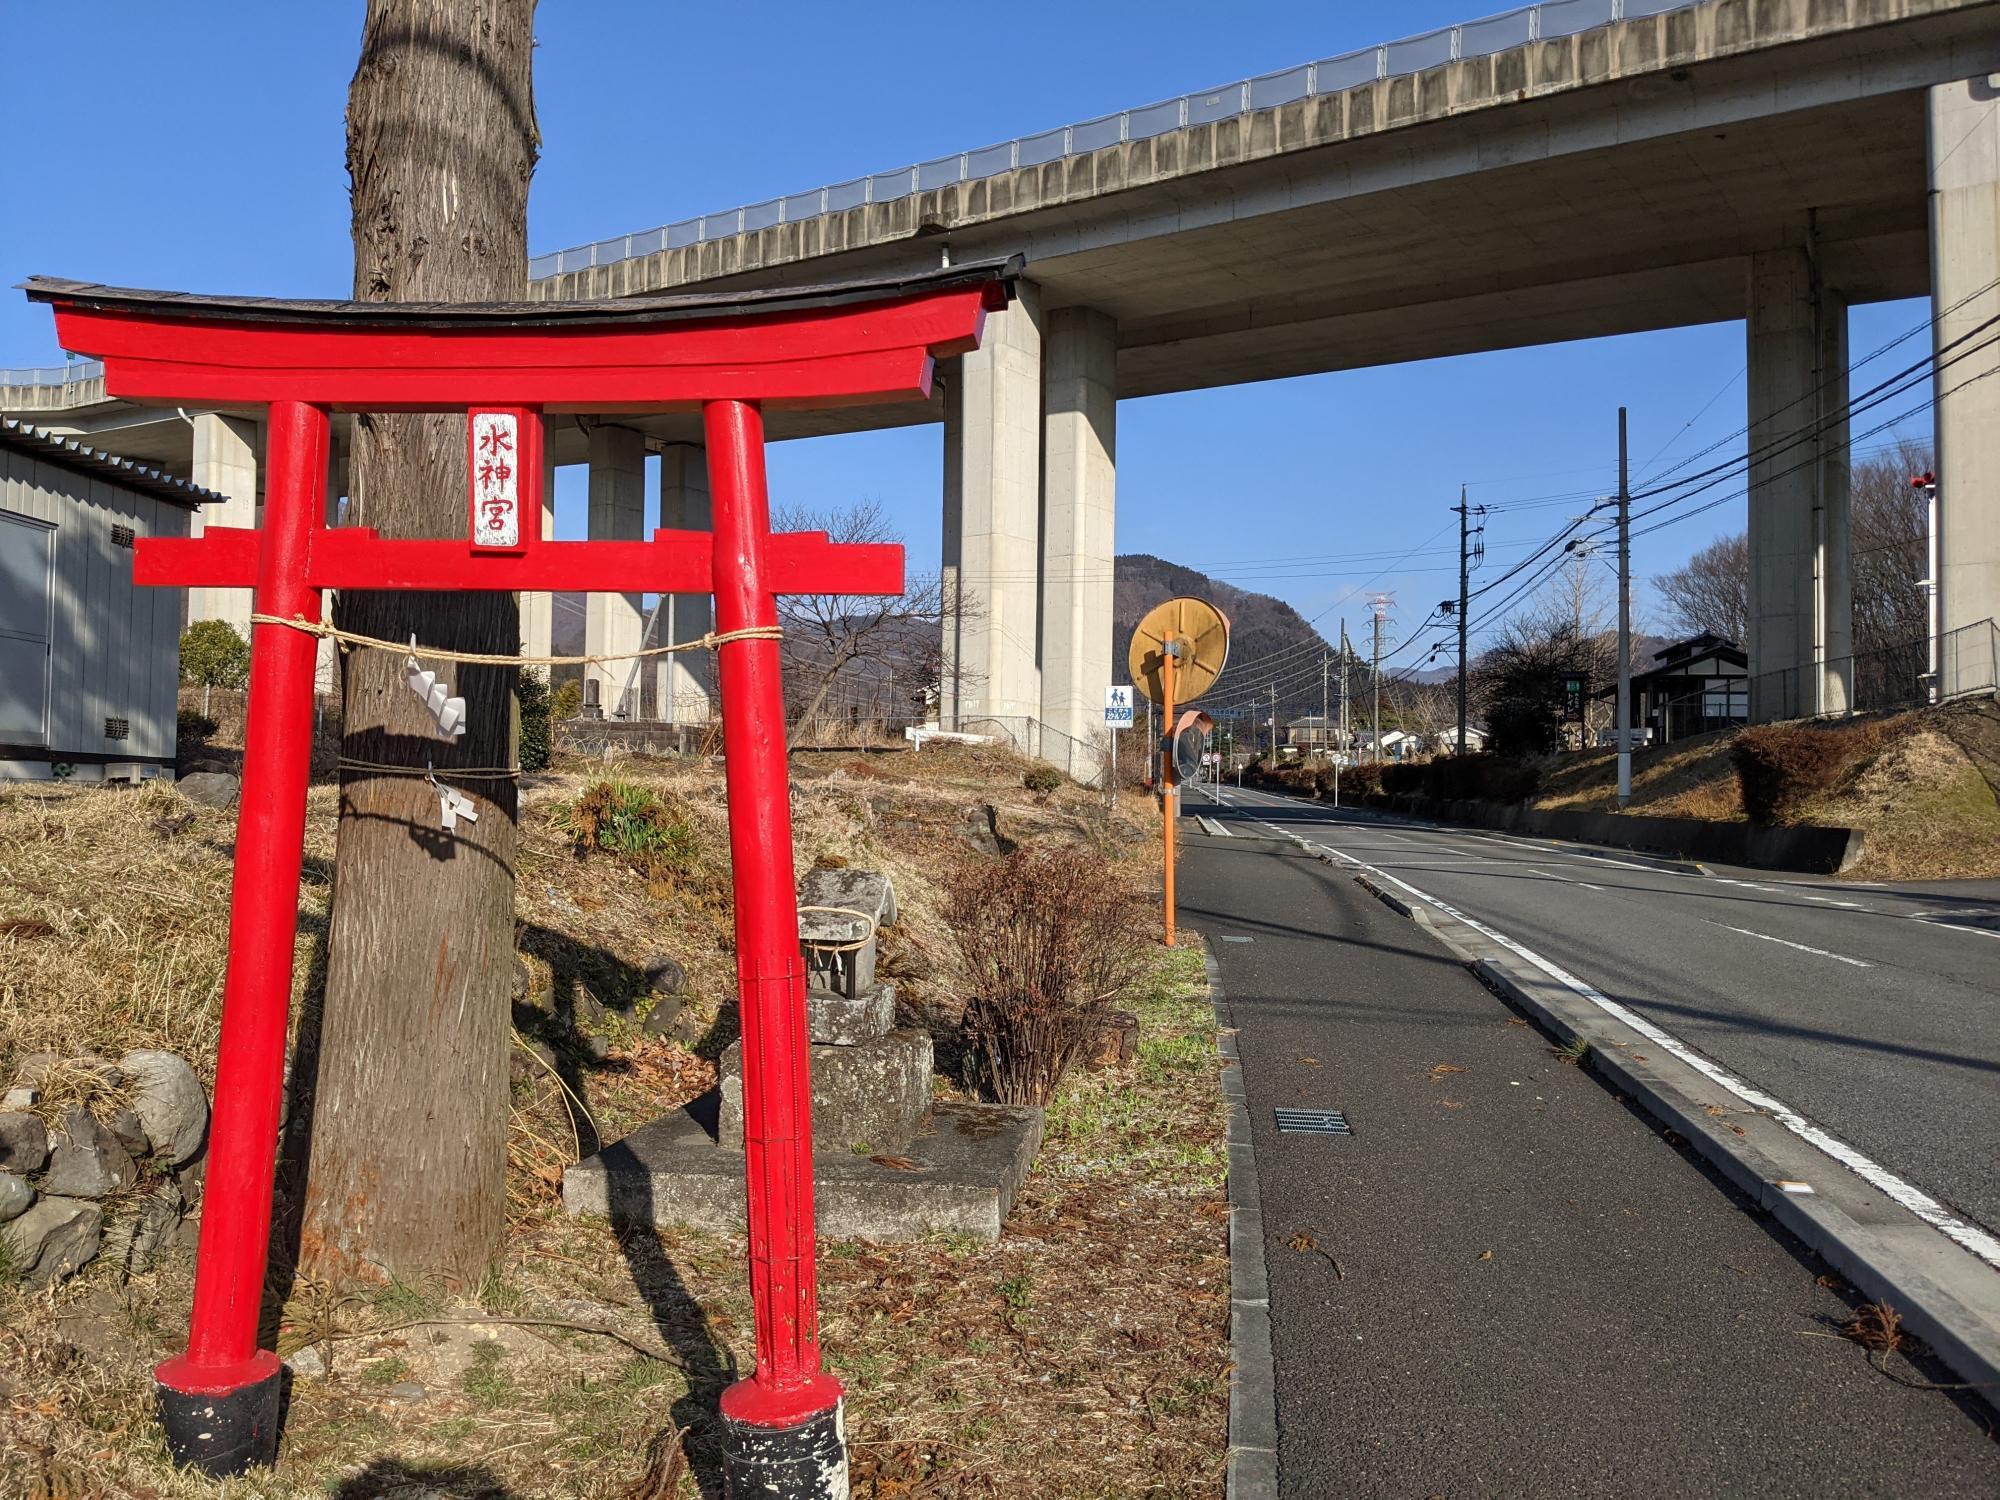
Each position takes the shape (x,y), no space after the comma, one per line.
(958,1175)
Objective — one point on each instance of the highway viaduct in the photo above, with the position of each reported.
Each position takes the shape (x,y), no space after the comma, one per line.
(1578,169)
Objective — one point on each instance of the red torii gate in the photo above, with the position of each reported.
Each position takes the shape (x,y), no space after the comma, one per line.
(509,365)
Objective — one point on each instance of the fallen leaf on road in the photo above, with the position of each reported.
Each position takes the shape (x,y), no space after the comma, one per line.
(1486,1255)
(895,1163)
(1454,1104)
(1875,1326)
(1714,1111)
(1304,1241)
(1443,1070)
(1311,1062)
(1516,1021)
(1739,1130)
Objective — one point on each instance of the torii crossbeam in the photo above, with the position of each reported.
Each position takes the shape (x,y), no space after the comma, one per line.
(508,366)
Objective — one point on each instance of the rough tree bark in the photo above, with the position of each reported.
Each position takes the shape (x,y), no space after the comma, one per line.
(406,1174)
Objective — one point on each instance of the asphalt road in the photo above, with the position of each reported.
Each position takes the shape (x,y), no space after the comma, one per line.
(1873,1011)
(1505,1282)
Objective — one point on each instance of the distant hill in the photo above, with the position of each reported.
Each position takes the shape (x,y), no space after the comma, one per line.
(1261,629)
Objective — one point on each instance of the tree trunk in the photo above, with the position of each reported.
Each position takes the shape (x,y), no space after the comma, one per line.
(406,1173)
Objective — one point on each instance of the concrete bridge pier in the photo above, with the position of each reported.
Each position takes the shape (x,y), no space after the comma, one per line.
(538,620)
(992,522)
(613,622)
(1030,487)
(1801,575)
(1964,148)
(1079,475)
(224,460)
(683,692)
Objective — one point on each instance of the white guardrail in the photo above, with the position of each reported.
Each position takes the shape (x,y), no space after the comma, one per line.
(1550,19)
(73,373)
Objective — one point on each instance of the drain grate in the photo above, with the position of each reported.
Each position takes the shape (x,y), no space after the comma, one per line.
(1312,1122)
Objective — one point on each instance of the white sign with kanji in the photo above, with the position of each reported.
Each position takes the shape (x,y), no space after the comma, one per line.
(496,479)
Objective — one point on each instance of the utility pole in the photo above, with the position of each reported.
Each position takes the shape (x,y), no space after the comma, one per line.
(1346,739)
(1381,602)
(1274,723)
(1624,619)
(1466,562)
(1325,728)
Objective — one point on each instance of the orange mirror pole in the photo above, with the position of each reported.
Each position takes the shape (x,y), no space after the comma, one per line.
(1167,787)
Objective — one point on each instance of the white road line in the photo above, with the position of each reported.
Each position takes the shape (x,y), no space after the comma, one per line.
(1911,1197)
(1821,952)
(1942,919)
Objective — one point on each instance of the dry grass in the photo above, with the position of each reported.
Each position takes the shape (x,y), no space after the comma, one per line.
(1084,1354)
(1922,789)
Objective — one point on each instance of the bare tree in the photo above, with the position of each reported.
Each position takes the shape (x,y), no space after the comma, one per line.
(873,645)
(408,1143)
(1712,590)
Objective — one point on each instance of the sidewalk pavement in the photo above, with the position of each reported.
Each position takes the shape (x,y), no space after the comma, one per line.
(1506,1281)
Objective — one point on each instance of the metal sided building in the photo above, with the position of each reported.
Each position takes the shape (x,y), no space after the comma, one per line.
(89,663)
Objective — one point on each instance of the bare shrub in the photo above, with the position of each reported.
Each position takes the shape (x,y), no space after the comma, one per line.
(1048,938)
(1783,767)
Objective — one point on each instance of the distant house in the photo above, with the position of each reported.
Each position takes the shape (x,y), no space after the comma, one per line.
(1312,733)
(89,661)
(1694,687)
(1397,744)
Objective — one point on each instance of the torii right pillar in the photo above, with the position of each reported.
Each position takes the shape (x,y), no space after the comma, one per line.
(1964,144)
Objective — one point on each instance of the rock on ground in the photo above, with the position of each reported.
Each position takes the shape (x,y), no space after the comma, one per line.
(209,788)
(24,1141)
(170,1103)
(54,1239)
(159,1217)
(16,1197)
(87,1162)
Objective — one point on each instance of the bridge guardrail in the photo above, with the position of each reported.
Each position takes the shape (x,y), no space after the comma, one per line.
(1332,75)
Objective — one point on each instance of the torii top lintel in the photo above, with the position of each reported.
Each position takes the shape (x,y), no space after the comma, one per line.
(854,343)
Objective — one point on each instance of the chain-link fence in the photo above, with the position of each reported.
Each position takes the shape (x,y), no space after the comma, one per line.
(1908,674)
(1905,675)
(1551,20)
(1087,762)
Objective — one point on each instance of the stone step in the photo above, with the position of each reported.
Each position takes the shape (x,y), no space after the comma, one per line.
(868,1097)
(958,1175)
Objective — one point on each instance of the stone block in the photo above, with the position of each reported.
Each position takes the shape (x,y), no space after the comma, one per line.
(838,908)
(54,1239)
(87,1161)
(24,1142)
(210,788)
(871,1095)
(849,1020)
(959,1175)
(16,1197)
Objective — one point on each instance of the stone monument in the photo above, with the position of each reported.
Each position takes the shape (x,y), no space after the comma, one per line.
(890,1163)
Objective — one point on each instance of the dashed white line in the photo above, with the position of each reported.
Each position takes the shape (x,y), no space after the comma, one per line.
(1911,1197)
(1821,952)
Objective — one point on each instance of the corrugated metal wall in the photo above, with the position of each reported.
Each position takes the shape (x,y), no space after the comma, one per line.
(114,648)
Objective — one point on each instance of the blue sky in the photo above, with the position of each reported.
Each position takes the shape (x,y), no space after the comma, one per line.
(199,146)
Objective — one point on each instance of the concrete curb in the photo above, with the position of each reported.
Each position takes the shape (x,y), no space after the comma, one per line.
(1948,1297)
(1252,1464)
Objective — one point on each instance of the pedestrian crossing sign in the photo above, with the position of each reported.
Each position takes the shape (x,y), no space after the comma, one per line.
(1118,707)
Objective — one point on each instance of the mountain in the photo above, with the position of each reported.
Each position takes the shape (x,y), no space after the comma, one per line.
(1262,630)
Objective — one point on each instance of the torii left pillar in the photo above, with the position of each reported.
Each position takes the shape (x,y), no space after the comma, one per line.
(219,1401)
